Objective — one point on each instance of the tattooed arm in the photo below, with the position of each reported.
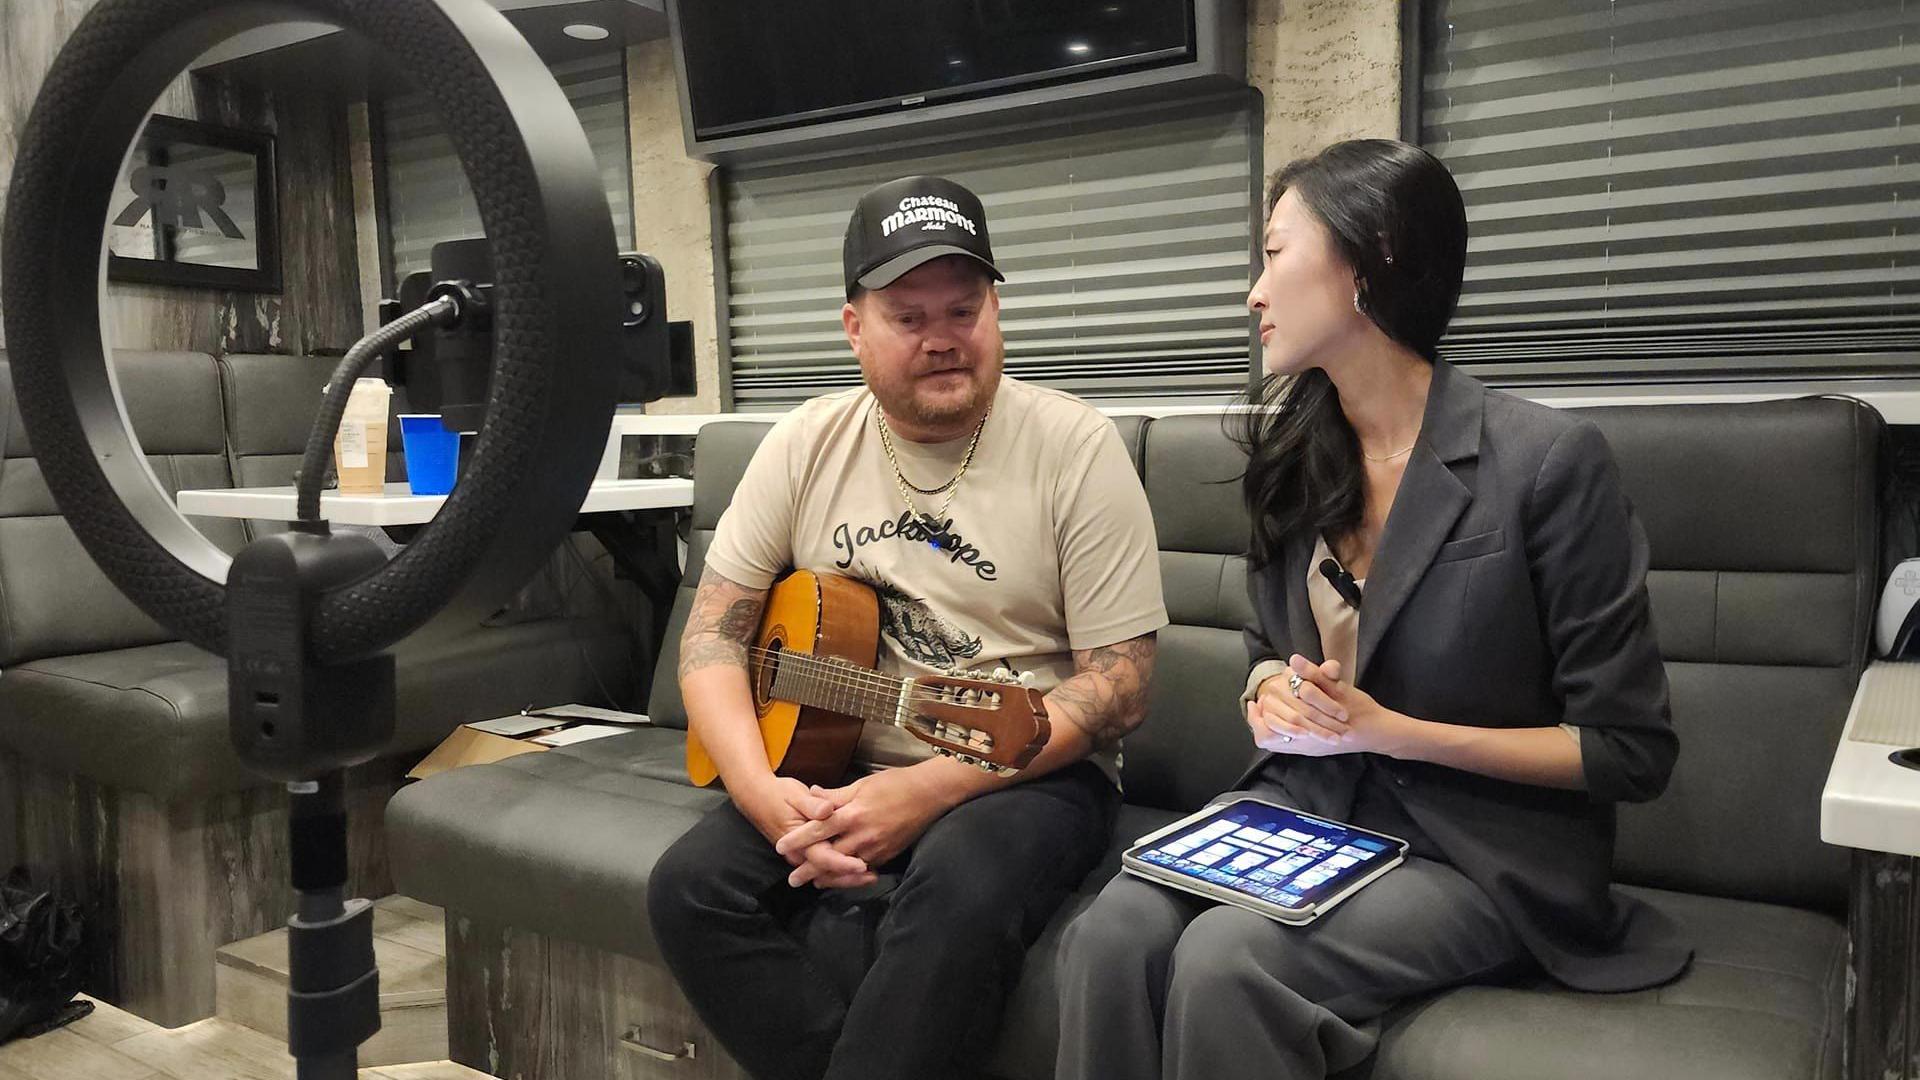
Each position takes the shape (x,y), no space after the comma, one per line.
(720,627)
(713,676)
(1104,699)
(713,683)
(1107,696)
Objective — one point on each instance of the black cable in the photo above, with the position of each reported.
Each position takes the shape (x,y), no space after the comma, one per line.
(564,586)
(573,628)
(441,311)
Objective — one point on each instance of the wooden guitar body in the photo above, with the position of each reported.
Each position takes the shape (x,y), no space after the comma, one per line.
(811,669)
(818,615)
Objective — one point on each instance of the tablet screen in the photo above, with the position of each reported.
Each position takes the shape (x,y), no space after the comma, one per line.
(1271,853)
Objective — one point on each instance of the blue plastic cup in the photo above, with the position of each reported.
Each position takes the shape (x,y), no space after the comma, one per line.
(433,453)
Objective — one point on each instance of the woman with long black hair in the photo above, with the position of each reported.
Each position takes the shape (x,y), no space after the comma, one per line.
(1450,644)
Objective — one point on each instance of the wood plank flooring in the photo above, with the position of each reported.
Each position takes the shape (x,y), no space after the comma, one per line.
(111,1044)
(114,1045)
(409,944)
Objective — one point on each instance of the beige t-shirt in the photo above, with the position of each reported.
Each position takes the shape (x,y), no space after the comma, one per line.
(1055,549)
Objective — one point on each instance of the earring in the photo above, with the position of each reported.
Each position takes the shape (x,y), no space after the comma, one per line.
(1356,303)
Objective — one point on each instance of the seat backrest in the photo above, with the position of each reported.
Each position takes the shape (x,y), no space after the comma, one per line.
(1763,524)
(1193,743)
(1133,436)
(270,405)
(720,455)
(53,598)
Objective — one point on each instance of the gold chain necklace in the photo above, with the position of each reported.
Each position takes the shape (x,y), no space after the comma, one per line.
(935,522)
(1393,455)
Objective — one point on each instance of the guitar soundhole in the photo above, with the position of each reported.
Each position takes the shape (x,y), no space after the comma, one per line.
(764,670)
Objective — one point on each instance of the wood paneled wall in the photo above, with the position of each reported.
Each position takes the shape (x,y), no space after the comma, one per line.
(1883,985)
(320,309)
(534,1007)
(165,885)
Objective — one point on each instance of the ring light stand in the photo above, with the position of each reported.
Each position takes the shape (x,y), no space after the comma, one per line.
(304,617)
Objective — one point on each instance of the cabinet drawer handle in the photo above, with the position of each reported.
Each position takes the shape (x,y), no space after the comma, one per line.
(632,1041)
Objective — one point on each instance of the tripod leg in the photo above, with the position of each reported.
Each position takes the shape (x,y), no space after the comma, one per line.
(333,995)
(341,1066)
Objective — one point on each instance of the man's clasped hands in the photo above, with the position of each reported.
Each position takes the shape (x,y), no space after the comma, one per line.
(835,836)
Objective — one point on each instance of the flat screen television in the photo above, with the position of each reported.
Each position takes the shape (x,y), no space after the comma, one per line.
(750,67)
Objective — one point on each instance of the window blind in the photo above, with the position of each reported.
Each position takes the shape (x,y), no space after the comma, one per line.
(428,197)
(1665,186)
(1126,245)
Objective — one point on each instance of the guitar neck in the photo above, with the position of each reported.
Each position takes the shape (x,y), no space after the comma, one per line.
(837,686)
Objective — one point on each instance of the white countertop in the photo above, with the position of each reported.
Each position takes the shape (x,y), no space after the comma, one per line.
(399,506)
(1870,802)
(1897,399)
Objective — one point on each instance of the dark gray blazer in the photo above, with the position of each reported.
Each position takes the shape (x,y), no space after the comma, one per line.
(1508,590)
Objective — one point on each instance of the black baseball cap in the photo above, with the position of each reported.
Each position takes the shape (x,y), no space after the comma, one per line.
(909,221)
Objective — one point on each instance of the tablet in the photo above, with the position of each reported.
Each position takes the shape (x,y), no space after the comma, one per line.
(1265,857)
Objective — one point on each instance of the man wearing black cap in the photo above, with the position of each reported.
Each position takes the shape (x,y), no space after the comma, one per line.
(872,930)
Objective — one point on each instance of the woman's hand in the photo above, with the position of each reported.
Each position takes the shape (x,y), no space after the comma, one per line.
(1319,715)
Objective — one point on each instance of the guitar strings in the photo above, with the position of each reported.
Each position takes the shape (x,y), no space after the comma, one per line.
(841,677)
(885,685)
(838,677)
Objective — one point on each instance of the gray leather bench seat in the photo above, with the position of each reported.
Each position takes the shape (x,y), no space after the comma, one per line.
(153,718)
(1763,999)
(562,843)
(89,685)
(1761,598)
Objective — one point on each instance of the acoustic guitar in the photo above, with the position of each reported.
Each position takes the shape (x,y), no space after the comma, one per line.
(811,668)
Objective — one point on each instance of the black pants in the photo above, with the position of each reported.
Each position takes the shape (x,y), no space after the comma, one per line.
(776,972)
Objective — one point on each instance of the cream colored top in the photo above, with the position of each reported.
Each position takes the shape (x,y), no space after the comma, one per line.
(1337,620)
(1339,626)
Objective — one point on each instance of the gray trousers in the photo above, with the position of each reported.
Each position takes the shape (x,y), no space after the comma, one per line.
(1157,983)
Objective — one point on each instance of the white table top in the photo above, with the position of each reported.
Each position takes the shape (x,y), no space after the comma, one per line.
(400,506)
(1869,802)
(1898,400)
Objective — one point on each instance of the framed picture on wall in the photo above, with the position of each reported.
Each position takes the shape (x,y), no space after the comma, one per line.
(195,208)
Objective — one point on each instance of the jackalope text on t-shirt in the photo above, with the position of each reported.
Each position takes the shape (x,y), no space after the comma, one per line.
(848,540)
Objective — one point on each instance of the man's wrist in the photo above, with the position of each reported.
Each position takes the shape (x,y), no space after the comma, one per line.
(950,783)
(752,790)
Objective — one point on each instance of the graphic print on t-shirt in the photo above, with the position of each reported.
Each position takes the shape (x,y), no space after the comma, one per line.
(848,540)
(922,634)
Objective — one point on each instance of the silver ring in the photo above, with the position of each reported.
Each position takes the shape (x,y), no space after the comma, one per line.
(1293,682)
(1286,738)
